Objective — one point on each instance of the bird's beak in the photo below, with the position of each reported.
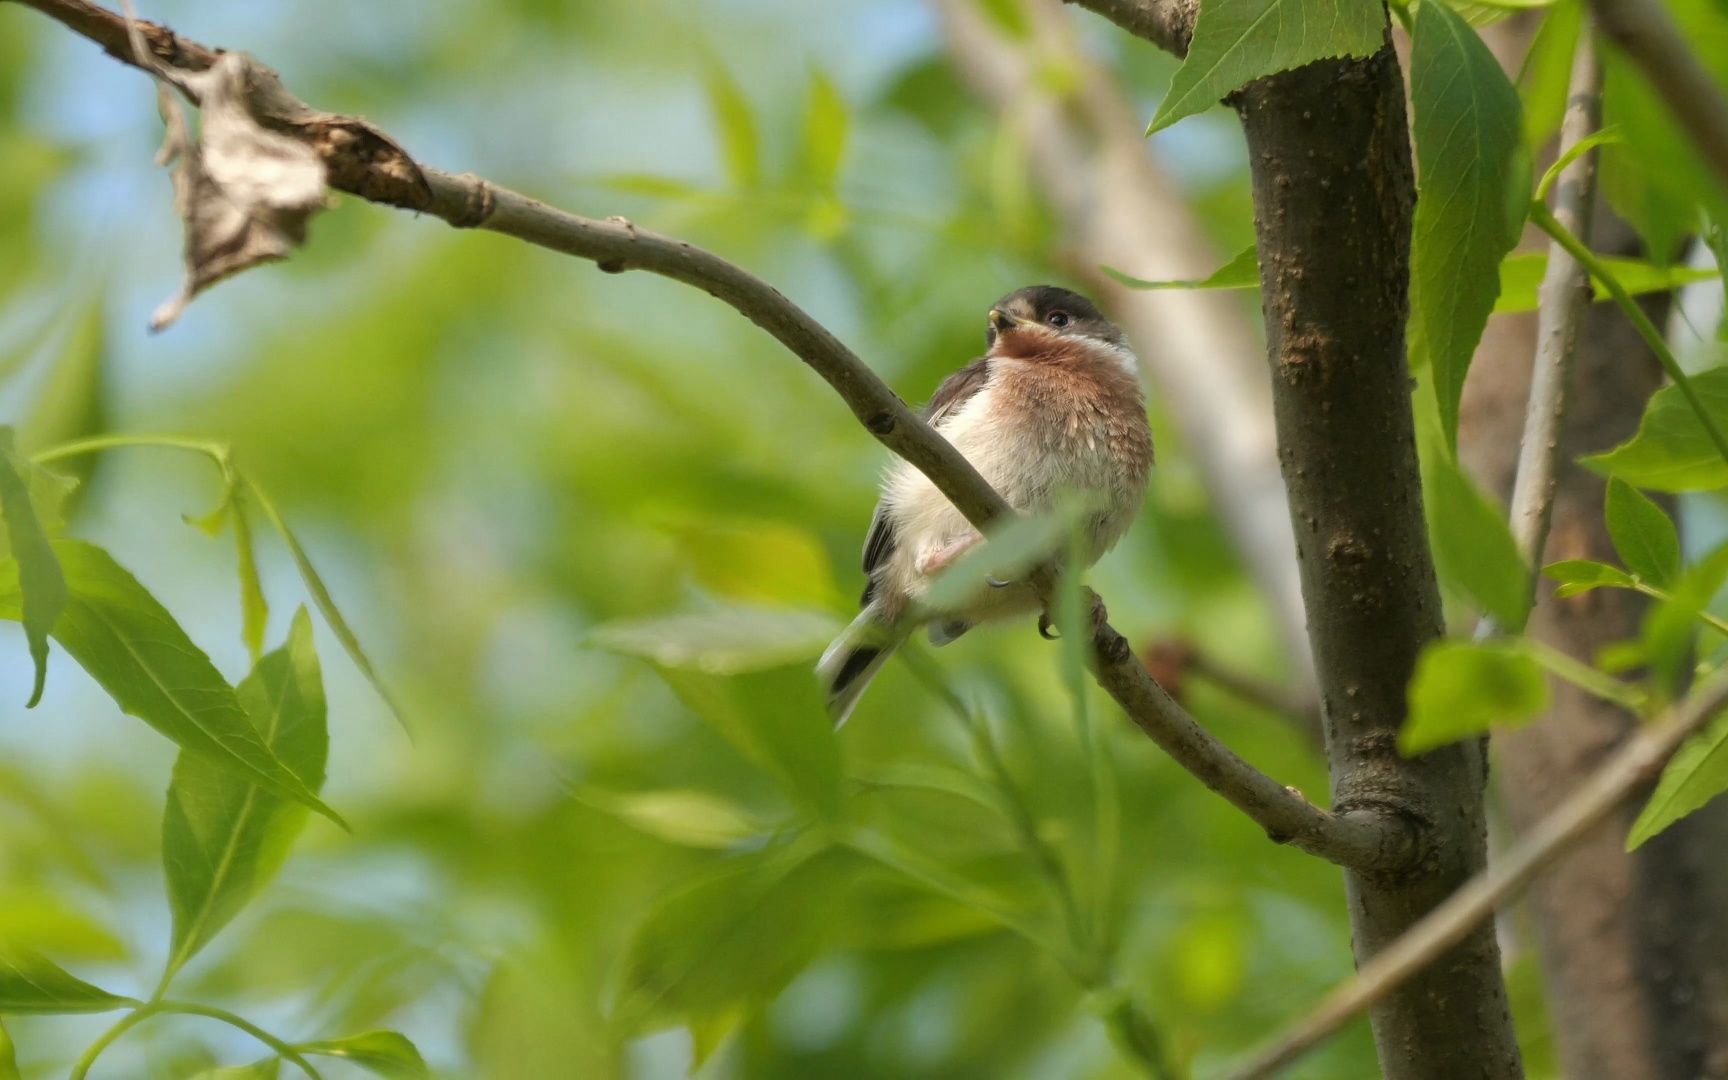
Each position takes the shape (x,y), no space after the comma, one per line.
(1001,320)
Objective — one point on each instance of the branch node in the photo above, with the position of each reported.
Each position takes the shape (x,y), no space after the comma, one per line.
(880,423)
(477,206)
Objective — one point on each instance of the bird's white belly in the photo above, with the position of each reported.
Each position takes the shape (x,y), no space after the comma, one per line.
(1029,464)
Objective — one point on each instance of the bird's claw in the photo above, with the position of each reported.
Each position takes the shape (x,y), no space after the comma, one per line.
(1047,627)
(997,583)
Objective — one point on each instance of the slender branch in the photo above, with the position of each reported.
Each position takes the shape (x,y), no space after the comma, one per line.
(364,161)
(1631,768)
(1563,299)
(1644,29)
(1542,219)
(1168,24)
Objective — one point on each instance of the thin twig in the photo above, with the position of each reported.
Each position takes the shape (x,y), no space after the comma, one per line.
(1562,301)
(1647,34)
(1169,24)
(1632,767)
(364,161)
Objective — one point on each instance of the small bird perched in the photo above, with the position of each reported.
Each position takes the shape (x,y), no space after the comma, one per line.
(1052,407)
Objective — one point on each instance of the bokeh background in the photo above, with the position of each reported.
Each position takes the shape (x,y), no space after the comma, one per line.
(495,454)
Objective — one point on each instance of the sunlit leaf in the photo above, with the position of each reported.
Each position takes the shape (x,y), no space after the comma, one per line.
(1238,41)
(1697,773)
(1474,185)
(264,1069)
(931,777)
(722,641)
(385,1053)
(1671,450)
(41,583)
(1241,272)
(693,818)
(32,983)
(138,653)
(69,402)
(735,121)
(734,938)
(1521,279)
(223,837)
(757,561)
(1473,548)
(1463,688)
(824,139)
(1643,535)
(1543,84)
(254,609)
(1582,575)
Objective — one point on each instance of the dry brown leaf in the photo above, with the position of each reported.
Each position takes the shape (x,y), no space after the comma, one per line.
(245,193)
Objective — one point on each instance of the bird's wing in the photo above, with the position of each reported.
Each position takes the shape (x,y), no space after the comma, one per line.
(954,392)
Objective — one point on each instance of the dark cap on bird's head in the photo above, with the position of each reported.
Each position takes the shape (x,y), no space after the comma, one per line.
(1054,310)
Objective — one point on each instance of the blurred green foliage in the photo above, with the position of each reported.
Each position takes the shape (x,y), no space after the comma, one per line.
(592,531)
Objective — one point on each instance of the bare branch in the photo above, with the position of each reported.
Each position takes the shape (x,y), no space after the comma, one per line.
(1168,24)
(364,161)
(1649,37)
(1633,766)
(1564,297)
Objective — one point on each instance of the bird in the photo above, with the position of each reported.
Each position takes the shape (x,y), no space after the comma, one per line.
(1052,408)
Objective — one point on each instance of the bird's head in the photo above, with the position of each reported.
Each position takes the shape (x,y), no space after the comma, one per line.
(1045,318)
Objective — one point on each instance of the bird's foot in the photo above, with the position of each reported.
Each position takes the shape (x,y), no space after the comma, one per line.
(1097,618)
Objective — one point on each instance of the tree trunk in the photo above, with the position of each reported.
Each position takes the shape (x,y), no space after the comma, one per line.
(1334,190)
(1633,947)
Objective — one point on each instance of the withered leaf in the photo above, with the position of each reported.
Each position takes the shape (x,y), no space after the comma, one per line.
(244,192)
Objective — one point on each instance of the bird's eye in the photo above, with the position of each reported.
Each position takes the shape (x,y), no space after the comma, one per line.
(1058,319)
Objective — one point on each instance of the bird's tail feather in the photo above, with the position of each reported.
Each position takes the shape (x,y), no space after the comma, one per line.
(854,658)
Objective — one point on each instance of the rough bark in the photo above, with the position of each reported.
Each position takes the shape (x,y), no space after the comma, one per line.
(1334,191)
(1633,947)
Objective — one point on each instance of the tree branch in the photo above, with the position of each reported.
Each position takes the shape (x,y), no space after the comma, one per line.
(366,162)
(1633,766)
(1168,24)
(1649,37)
(1563,299)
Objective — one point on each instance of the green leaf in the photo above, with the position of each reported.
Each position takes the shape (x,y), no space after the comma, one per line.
(32,983)
(934,778)
(1521,279)
(740,145)
(266,1069)
(1581,575)
(325,603)
(386,1053)
(1671,625)
(1547,74)
(693,818)
(1473,548)
(8,1056)
(69,403)
(224,837)
(824,138)
(1463,688)
(1238,41)
(1474,185)
(1697,773)
(1644,537)
(724,641)
(41,584)
(1601,137)
(735,938)
(1671,451)
(776,719)
(134,649)
(1241,272)
(1010,552)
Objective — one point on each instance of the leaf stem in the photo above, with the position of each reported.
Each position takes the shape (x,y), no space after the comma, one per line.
(86,1060)
(1543,219)
(1713,621)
